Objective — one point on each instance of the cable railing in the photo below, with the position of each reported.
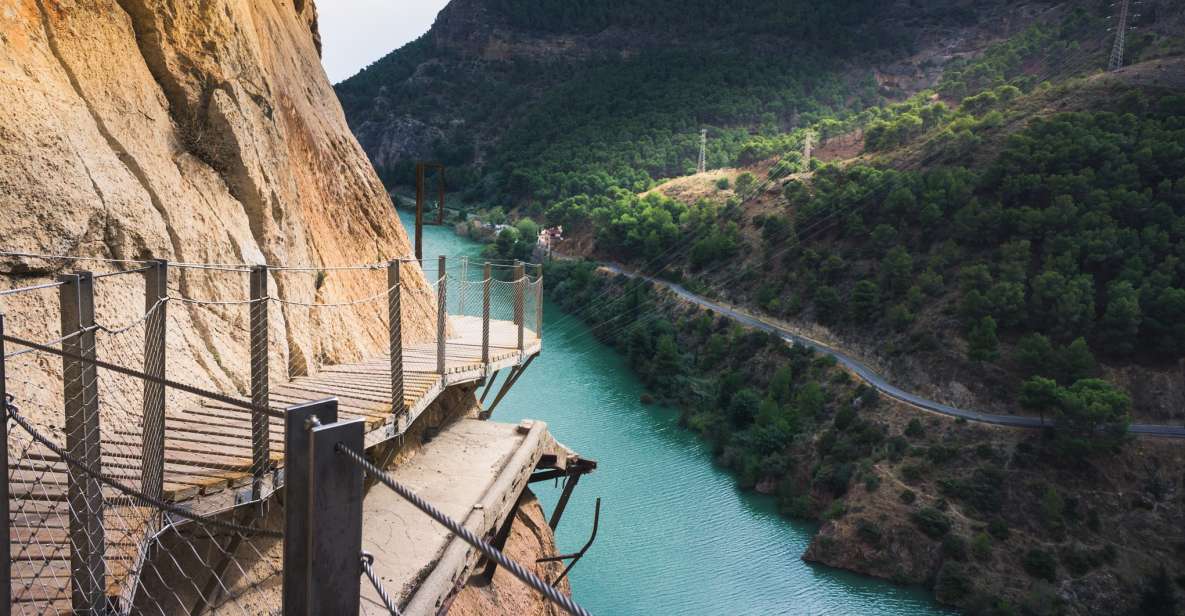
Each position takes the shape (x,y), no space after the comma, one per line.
(324,524)
(150,434)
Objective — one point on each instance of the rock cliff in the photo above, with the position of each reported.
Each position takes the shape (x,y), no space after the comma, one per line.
(195,132)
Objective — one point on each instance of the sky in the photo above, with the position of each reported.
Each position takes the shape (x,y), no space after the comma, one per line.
(355,33)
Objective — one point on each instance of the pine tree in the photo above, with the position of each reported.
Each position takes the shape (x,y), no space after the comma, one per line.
(982,344)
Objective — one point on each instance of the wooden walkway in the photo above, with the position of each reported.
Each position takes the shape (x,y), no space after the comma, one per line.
(208,455)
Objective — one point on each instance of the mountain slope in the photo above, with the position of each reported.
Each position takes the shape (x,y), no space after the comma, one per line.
(537,101)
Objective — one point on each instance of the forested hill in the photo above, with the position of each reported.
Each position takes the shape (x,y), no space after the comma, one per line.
(535,100)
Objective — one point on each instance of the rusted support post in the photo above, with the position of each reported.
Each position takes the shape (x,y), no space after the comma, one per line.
(5,546)
(260,439)
(88,571)
(156,292)
(486,577)
(519,297)
(395,329)
(441,314)
(560,506)
(420,213)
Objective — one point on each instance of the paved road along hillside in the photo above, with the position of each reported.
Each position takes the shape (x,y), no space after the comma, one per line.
(867,373)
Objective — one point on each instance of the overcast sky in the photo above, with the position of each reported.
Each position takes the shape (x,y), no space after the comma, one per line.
(355,33)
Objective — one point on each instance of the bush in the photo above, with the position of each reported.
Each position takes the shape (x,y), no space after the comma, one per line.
(954,547)
(835,510)
(932,522)
(914,428)
(722,184)
(908,497)
(868,532)
(998,528)
(981,547)
(953,585)
(1040,564)
(912,473)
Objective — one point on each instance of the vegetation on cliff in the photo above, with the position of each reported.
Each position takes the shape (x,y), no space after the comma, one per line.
(996,521)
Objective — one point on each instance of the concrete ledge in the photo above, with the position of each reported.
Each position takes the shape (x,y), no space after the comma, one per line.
(474,471)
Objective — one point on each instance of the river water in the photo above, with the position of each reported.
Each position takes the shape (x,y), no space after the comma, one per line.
(676,536)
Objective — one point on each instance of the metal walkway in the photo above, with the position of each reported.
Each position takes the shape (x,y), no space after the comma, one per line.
(75,543)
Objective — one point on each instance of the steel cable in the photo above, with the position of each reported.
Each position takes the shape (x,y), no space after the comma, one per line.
(13,412)
(368,569)
(468,536)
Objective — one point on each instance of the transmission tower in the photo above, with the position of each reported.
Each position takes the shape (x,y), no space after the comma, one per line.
(1121,28)
(807,142)
(703,151)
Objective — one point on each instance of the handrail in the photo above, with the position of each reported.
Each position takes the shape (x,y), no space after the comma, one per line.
(458,529)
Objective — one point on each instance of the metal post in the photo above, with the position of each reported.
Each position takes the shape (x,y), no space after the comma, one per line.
(260,454)
(463,288)
(152,473)
(323,512)
(485,316)
(395,329)
(420,213)
(5,546)
(539,307)
(441,315)
(558,513)
(519,296)
(81,391)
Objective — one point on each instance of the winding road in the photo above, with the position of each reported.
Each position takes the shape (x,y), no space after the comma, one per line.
(866,373)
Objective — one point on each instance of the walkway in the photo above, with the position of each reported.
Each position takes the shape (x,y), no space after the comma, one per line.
(208,448)
(868,374)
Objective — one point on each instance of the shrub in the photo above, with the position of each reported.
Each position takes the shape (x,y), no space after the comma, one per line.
(981,547)
(914,428)
(908,497)
(998,528)
(722,184)
(1040,564)
(954,547)
(952,584)
(932,522)
(868,532)
(835,510)
(912,472)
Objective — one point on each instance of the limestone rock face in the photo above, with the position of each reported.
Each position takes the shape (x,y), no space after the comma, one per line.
(530,539)
(198,132)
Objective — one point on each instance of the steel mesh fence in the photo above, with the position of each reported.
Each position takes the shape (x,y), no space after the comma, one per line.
(137,432)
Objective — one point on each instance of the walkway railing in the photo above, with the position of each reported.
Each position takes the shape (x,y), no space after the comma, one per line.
(129,458)
(323,523)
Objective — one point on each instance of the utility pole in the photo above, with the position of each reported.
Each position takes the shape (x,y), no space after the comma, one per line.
(703,151)
(1121,28)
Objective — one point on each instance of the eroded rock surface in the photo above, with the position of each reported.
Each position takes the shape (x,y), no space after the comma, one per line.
(195,132)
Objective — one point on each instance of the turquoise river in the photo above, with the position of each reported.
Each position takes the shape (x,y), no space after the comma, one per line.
(677,536)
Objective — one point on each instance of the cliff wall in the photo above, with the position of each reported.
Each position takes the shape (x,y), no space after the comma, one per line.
(195,132)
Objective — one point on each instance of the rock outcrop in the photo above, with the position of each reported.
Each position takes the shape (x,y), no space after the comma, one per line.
(530,539)
(200,132)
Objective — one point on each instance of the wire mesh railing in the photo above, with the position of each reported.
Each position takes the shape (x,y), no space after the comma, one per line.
(149,420)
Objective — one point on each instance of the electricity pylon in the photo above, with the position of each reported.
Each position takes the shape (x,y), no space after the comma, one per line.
(808,141)
(703,151)
(1121,28)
